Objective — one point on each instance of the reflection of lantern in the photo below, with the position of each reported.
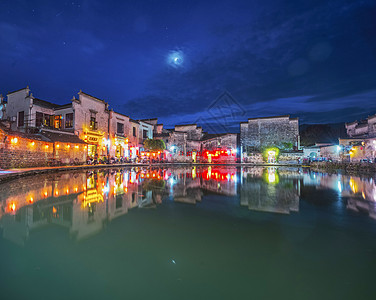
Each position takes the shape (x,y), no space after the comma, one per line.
(12,206)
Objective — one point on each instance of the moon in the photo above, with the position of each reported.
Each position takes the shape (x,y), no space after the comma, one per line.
(175,58)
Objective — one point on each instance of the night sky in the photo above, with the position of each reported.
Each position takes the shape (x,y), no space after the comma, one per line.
(173,59)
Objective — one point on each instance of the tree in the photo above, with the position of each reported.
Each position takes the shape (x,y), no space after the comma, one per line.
(154,145)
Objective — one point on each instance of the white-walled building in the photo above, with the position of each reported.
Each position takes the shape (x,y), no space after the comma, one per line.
(119,135)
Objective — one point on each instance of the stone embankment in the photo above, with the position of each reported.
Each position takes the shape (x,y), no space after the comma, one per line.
(352,168)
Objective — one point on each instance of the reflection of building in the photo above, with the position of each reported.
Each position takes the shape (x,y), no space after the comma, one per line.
(268,191)
(360,194)
(81,202)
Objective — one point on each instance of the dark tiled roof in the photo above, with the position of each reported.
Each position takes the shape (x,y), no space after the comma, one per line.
(209,136)
(28,136)
(64,106)
(61,137)
(44,103)
(51,105)
(272,117)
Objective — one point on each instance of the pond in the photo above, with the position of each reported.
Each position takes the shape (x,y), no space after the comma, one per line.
(188,233)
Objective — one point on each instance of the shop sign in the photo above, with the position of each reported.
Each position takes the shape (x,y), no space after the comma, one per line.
(92,139)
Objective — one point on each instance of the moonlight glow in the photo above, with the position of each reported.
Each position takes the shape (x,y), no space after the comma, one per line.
(175,58)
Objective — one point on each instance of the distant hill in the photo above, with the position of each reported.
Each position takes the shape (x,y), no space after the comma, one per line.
(321,133)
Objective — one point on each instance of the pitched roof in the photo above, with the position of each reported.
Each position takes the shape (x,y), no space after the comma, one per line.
(46,104)
(272,117)
(61,137)
(209,136)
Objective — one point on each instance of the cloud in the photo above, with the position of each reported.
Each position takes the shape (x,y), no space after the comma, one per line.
(271,64)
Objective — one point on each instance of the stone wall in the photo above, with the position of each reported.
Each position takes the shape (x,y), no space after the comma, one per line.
(284,158)
(24,152)
(17,151)
(264,132)
(193,132)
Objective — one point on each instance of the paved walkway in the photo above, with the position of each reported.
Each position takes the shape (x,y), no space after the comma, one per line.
(14,173)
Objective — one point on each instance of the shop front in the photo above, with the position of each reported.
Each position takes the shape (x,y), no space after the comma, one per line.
(121,147)
(95,146)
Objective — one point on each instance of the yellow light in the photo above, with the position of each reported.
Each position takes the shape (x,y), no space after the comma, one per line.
(68,146)
(31,200)
(32,143)
(46,147)
(12,207)
(271,177)
(57,146)
(76,147)
(14,140)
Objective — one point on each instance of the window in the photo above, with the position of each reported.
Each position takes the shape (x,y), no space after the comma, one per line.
(134,131)
(93,123)
(52,121)
(57,123)
(120,128)
(145,134)
(69,120)
(93,120)
(46,120)
(21,118)
(38,119)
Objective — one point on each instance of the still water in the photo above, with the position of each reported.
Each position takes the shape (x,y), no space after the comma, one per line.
(188,233)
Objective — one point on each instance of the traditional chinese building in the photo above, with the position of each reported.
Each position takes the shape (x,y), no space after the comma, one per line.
(362,129)
(259,133)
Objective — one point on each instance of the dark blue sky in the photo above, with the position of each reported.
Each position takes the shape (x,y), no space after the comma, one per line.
(172,59)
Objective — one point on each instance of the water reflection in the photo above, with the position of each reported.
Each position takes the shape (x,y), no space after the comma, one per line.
(84,202)
(358,193)
(270,189)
